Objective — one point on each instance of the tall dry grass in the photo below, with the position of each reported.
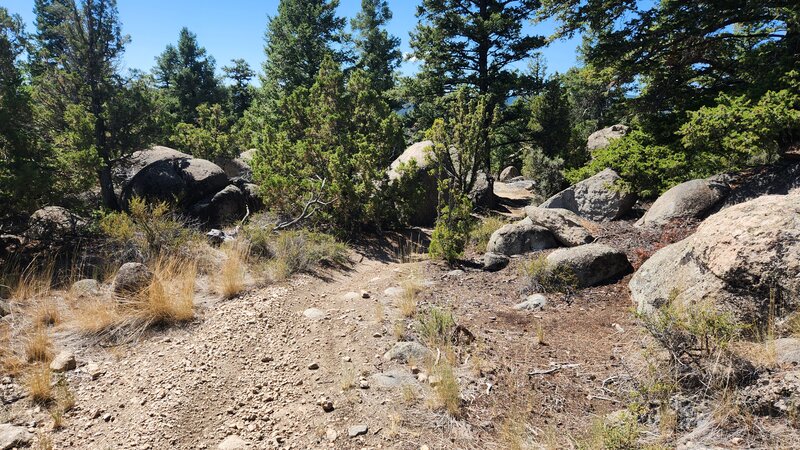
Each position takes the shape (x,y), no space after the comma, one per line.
(231,278)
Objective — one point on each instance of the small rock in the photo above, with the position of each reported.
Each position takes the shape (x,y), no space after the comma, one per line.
(406,351)
(346,359)
(350,296)
(618,327)
(313,366)
(232,442)
(331,434)
(365,294)
(132,278)
(326,404)
(455,273)
(85,288)
(357,430)
(493,262)
(532,303)
(12,436)
(63,362)
(94,370)
(363,384)
(314,314)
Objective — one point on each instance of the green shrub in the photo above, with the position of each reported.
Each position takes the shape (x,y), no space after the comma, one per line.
(545,172)
(619,433)
(738,132)
(644,167)
(450,235)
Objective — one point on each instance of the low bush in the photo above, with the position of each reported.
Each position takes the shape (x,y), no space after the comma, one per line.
(150,231)
(479,235)
(451,233)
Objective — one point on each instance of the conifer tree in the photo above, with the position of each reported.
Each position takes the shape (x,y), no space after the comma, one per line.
(378,52)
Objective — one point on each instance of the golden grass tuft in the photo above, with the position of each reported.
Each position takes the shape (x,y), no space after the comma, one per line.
(45,312)
(408,298)
(38,383)
(10,363)
(231,277)
(169,299)
(447,390)
(33,283)
(38,346)
(349,379)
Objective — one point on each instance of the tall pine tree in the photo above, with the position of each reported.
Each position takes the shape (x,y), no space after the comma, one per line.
(474,44)
(298,39)
(186,73)
(86,111)
(378,52)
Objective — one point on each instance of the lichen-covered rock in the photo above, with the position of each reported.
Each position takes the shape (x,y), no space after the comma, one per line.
(85,288)
(132,278)
(592,264)
(566,226)
(226,206)
(736,261)
(689,200)
(520,237)
(411,168)
(598,198)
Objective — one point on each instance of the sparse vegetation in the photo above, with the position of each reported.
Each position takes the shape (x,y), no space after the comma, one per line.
(436,327)
(295,251)
(618,433)
(482,231)
(231,277)
(38,382)
(544,278)
(448,392)
(408,298)
(38,346)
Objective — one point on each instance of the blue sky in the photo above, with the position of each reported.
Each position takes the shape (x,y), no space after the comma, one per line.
(235,28)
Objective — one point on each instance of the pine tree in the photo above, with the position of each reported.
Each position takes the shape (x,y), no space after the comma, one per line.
(186,73)
(471,43)
(86,111)
(240,93)
(378,52)
(23,163)
(298,40)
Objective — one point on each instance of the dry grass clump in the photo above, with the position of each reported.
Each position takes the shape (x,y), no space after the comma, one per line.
(45,312)
(408,298)
(168,299)
(436,327)
(544,278)
(349,379)
(231,278)
(10,363)
(38,346)
(447,391)
(38,383)
(33,283)
(64,400)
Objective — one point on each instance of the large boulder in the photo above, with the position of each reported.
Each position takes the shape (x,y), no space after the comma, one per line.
(508,173)
(689,200)
(54,223)
(566,226)
(132,278)
(592,264)
(520,237)
(482,193)
(169,175)
(411,170)
(227,205)
(602,138)
(740,259)
(235,168)
(597,198)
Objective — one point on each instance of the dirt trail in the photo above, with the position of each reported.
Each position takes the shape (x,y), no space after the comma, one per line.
(243,369)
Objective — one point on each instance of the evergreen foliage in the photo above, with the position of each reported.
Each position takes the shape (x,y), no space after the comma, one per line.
(378,53)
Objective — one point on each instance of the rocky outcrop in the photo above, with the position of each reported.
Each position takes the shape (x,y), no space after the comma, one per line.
(520,237)
(184,180)
(598,198)
(602,138)
(235,168)
(566,226)
(482,193)
(12,436)
(689,200)
(592,264)
(54,223)
(736,261)
(132,278)
(508,173)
